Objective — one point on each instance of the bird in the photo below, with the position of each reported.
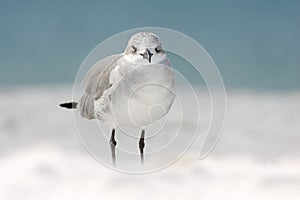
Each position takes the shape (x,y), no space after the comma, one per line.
(122,89)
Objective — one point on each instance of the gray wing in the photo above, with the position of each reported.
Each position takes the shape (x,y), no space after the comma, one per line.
(96,81)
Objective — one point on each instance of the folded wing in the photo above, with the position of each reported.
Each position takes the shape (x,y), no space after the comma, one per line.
(96,81)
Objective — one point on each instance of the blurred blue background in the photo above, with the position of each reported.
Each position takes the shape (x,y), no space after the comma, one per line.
(254,43)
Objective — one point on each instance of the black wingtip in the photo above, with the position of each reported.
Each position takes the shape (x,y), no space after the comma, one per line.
(69,105)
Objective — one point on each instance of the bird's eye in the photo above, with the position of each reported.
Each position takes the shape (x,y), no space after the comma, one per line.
(134,49)
(158,49)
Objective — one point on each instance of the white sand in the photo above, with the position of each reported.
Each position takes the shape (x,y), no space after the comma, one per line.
(258,156)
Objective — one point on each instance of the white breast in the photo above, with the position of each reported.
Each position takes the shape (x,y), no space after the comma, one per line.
(138,96)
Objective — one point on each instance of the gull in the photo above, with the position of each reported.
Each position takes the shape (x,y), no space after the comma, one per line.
(125,89)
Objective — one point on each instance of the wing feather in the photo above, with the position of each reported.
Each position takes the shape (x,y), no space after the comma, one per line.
(96,81)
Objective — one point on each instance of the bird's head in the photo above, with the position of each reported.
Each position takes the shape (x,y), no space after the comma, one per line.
(144,48)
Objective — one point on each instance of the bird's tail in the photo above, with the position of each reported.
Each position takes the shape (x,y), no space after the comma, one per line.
(69,105)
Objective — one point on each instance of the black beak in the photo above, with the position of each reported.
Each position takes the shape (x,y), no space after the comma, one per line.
(147,55)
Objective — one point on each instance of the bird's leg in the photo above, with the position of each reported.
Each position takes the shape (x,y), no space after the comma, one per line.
(142,145)
(113,144)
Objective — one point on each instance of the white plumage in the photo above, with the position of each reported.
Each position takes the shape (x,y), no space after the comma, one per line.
(130,89)
(121,90)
